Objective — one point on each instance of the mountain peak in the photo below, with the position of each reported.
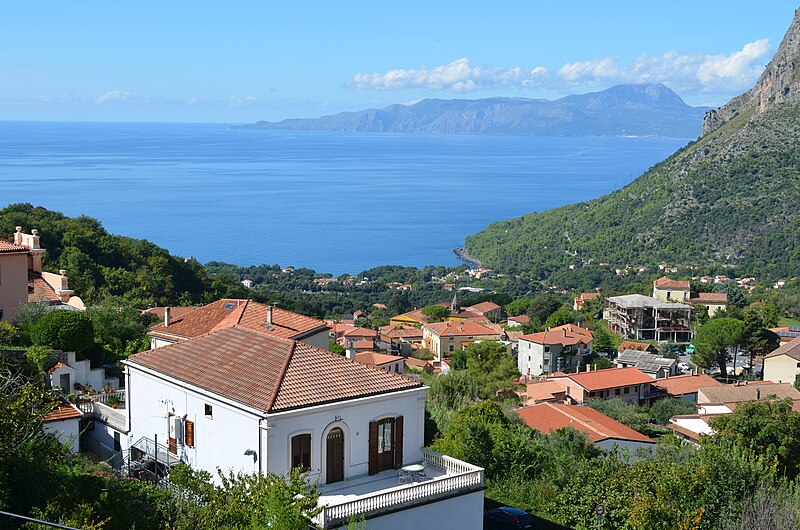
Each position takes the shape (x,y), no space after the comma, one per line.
(779,83)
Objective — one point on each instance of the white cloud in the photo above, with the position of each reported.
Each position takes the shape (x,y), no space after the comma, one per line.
(237,101)
(457,76)
(689,74)
(120,96)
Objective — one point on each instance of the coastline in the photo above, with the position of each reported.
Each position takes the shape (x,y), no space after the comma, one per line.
(461,252)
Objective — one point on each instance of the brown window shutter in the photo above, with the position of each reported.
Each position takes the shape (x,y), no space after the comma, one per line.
(188,430)
(398,442)
(373,447)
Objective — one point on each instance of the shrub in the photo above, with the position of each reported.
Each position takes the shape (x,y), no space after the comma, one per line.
(64,330)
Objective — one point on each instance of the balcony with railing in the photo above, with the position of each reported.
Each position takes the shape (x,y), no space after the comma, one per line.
(108,407)
(371,496)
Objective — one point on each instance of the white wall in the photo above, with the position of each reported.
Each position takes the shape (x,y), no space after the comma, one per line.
(353,417)
(67,432)
(464,512)
(221,440)
(530,358)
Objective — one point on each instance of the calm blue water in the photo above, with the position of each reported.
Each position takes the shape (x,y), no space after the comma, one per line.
(334,202)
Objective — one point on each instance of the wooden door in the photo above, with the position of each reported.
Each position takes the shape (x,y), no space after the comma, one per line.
(334,456)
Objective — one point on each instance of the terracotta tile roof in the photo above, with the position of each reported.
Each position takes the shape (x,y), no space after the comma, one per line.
(5,246)
(791,348)
(685,384)
(631,345)
(415,315)
(522,319)
(609,378)
(419,364)
(376,359)
(549,417)
(351,331)
(56,366)
(227,313)
(514,336)
(401,332)
(483,307)
(544,391)
(63,412)
(459,328)
(363,344)
(667,283)
(175,312)
(567,335)
(39,290)
(750,392)
(266,372)
(588,296)
(709,298)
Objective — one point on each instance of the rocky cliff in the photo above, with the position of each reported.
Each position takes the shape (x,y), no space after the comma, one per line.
(779,83)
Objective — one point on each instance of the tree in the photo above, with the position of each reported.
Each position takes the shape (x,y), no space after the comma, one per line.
(120,327)
(737,296)
(664,409)
(714,340)
(602,341)
(519,306)
(436,313)
(768,428)
(493,369)
(563,316)
(622,411)
(64,330)
(543,305)
(601,363)
(335,348)
(756,337)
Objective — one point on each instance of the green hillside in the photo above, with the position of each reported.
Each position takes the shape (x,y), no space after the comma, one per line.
(729,198)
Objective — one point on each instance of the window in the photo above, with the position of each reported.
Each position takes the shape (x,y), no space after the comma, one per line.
(385,444)
(188,430)
(385,436)
(301,451)
(627,390)
(450,348)
(547,349)
(209,411)
(616,391)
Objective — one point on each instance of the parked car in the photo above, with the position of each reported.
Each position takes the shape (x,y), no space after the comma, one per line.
(503,518)
(683,367)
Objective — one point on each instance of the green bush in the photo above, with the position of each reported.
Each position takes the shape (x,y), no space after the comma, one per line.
(64,330)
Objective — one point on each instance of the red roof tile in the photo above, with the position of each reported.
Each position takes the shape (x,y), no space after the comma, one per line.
(483,307)
(709,298)
(638,346)
(266,372)
(376,359)
(609,378)
(685,384)
(549,417)
(39,290)
(227,313)
(63,412)
(791,348)
(460,328)
(5,246)
(544,390)
(175,312)
(668,283)
(568,335)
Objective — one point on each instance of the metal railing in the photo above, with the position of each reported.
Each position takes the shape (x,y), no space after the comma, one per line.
(114,418)
(460,478)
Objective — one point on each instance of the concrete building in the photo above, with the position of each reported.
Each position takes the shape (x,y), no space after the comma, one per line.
(644,318)
(783,364)
(562,348)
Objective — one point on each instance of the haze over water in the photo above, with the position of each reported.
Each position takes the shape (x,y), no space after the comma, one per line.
(333,202)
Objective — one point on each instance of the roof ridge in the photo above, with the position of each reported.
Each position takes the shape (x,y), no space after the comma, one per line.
(241,313)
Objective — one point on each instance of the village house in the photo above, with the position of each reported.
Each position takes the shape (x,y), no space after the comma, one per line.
(644,318)
(653,365)
(580,300)
(685,387)
(627,384)
(562,348)
(63,422)
(405,340)
(544,392)
(602,431)
(230,312)
(782,365)
(22,279)
(483,312)
(444,338)
(243,400)
(638,346)
(518,321)
(713,302)
(669,290)
(727,395)
(389,363)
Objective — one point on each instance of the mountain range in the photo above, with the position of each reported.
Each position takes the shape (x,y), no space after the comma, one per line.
(729,198)
(622,110)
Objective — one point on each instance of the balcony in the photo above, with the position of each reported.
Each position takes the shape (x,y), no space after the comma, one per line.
(106,407)
(380,494)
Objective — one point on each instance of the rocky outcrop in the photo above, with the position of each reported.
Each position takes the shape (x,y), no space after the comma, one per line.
(778,83)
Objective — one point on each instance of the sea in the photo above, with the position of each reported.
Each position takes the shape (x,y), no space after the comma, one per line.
(334,202)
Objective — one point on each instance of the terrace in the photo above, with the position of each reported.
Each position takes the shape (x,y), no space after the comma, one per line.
(383,493)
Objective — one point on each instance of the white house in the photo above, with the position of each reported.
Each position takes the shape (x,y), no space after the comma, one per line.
(244,400)
(64,423)
(562,348)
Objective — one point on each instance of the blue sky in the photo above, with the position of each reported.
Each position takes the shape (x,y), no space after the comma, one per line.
(244,61)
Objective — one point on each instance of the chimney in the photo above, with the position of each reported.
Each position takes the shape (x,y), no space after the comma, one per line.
(269,315)
(167,319)
(350,353)
(18,236)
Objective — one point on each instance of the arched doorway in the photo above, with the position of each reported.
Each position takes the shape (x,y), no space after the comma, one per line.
(334,456)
